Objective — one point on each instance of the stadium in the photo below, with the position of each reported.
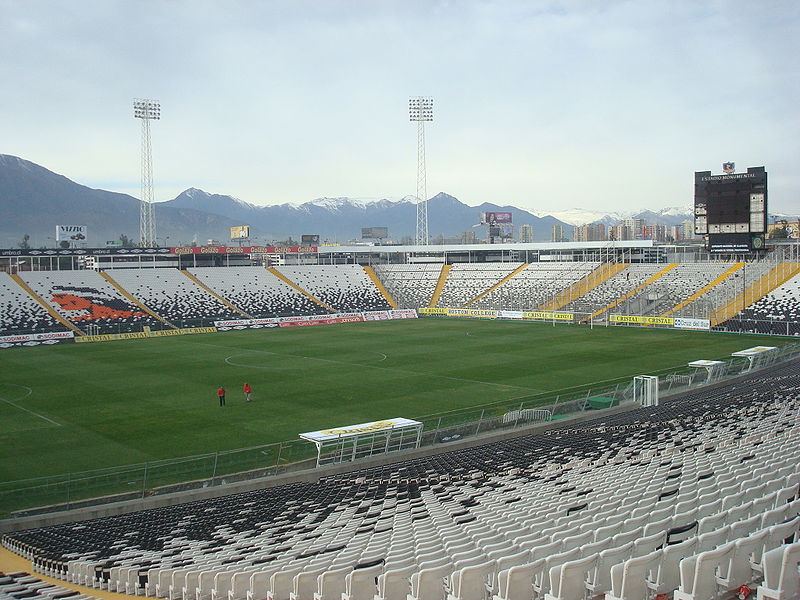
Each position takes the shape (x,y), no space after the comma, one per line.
(521,421)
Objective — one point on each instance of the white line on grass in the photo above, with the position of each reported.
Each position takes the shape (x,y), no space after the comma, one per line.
(394,370)
(28,392)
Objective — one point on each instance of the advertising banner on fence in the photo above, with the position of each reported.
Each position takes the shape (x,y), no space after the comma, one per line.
(378,315)
(547,316)
(244,249)
(473,313)
(246,324)
(433,311)
(639,319)
(332,319)
(509,314)
(133,335)
(389,315)
(35,339)
(684,323)
(477,313)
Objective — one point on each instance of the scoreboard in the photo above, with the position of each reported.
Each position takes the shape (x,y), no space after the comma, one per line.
(731,210)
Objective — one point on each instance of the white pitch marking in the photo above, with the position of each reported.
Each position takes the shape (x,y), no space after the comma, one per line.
(28,393)
(394,370)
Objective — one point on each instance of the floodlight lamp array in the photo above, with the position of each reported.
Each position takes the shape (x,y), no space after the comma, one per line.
(146,109)
(420,109)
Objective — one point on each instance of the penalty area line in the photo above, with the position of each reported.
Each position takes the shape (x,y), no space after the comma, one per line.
(29,391)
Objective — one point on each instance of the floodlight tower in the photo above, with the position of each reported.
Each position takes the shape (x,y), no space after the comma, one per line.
(420,109)
(146,110)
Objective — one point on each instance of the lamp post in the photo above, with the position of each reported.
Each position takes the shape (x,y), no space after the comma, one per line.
(147,110)
(420,110)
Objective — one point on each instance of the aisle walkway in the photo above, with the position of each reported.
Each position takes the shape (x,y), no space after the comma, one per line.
(12,563)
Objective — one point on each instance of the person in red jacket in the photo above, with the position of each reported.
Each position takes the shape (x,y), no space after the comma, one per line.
(247,391)
(221,395)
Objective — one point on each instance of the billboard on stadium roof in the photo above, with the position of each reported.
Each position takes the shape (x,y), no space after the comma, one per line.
(71,233)
(374,233)
(240,233)
(495,218)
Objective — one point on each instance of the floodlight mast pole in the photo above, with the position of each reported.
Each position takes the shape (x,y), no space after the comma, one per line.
(147,110)
(420,109)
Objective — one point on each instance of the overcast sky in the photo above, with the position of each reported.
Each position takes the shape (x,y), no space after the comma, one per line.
(605,105)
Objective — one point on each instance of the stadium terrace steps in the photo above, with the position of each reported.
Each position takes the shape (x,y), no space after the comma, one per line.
(343,288)
(466,281)
(632,293)
(256,291)
(705,289)
(133,300)
(411,285)
(384,292)
(296,287)
(768,282)
(84,297)
(53,313)
(600,275)
(440,285)
(537,284)
(513,273)
(224,301)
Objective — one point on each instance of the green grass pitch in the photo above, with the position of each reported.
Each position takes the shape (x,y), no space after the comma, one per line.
(77,407)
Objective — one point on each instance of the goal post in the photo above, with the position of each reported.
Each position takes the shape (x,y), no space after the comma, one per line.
(645,390)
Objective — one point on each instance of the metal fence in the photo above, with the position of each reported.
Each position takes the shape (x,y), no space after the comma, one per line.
(128,482)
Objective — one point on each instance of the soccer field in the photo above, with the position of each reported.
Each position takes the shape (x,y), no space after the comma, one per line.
(76,407)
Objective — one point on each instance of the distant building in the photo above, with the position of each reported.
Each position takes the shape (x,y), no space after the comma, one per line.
(620,233)
(636,226)
(557,234)
(657,233)
(525,233)
(591,232)
(686,230)
(469,237)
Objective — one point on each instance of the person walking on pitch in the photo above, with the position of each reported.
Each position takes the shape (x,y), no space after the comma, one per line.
(221,395)
(247,391)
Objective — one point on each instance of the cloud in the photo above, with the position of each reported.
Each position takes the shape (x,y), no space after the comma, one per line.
(606,105)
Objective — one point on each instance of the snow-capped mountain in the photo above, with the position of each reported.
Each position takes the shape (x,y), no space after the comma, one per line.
(581,216)
(33,200)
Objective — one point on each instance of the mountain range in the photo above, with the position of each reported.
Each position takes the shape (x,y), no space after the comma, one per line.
(33,200)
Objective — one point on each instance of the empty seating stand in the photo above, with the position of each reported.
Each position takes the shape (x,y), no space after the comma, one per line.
(466,281)
(411,285)
(256,291)
(86,299)
(21,313)
(778,312)
(344,288)
(535,285)
(173,296)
